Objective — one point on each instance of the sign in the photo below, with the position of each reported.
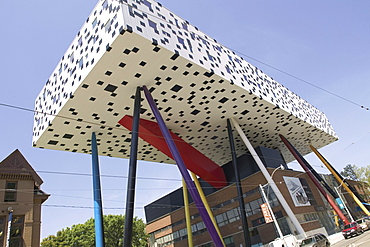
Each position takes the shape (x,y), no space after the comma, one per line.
(296,191)
(266,213)
(340,203)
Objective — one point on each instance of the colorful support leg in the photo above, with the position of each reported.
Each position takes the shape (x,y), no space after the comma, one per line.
(187,213)
(271,182)
(127,239)
(98,208)
(303,162)
(204,200)
(238,185)
(340,180)
(180,164)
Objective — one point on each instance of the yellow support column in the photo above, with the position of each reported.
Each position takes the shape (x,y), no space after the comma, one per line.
(187,213)
(323,160)
(203,197)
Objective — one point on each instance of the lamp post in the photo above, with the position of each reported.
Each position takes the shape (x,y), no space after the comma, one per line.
(268,203)
(337,189)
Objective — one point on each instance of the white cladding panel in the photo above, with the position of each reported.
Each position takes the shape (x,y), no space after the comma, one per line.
(198,83)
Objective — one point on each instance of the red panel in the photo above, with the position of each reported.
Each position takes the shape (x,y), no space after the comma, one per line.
(194,160)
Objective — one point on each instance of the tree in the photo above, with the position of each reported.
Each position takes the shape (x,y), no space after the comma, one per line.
(359,174)
(83,235)
(350,172)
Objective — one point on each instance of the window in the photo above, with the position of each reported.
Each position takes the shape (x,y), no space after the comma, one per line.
(2,229)
(79,42)
(206,245)
(107,26)
(81,63)
(105,4)
(221,219)
(95,21)
(152,24)
(229,242)
(16,232)
(10,192)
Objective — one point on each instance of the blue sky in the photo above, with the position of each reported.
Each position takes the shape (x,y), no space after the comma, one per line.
(325,43)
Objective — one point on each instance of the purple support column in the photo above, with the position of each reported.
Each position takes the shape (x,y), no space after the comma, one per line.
(180,164)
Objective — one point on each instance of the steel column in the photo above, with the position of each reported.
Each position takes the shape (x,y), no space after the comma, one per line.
(205,202)
(98,208)
(180,164)
(131,181)
(238,185)
(187,213)
(271,182)
(340,180)
(303,163)
(10,220)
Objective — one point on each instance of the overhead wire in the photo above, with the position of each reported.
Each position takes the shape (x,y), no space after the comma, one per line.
(116,176)
(257,60)
(243,54)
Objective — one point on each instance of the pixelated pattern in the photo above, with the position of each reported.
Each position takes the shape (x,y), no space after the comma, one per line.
(198,84)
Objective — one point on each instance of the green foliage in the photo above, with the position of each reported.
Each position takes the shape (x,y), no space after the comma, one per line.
(83,235)
(359,174)
(350,172)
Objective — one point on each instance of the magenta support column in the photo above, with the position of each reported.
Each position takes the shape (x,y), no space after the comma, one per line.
(180,164)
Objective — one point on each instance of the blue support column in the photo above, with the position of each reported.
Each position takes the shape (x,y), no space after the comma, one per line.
(184,172)
(238,185)
(98,208)
(10,220)
(131,181)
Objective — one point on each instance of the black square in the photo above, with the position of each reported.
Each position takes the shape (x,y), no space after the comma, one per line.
(174,56)
(176,88)
(110,88)
(67,136)
(195,112)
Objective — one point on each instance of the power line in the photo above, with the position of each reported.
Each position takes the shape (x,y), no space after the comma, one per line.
(107,176)
(259,61)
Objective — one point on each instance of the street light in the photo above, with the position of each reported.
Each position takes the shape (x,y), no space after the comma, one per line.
(337,189)
(268,203)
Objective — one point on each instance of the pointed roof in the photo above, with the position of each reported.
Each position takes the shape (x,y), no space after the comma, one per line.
(15,163)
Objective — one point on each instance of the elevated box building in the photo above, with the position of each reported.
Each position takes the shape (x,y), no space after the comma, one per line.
(196,82)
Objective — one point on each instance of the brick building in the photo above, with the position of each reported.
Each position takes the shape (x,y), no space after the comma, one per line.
(21,200)
(166,217)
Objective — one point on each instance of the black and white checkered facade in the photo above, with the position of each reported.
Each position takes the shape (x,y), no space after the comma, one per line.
(198,84)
